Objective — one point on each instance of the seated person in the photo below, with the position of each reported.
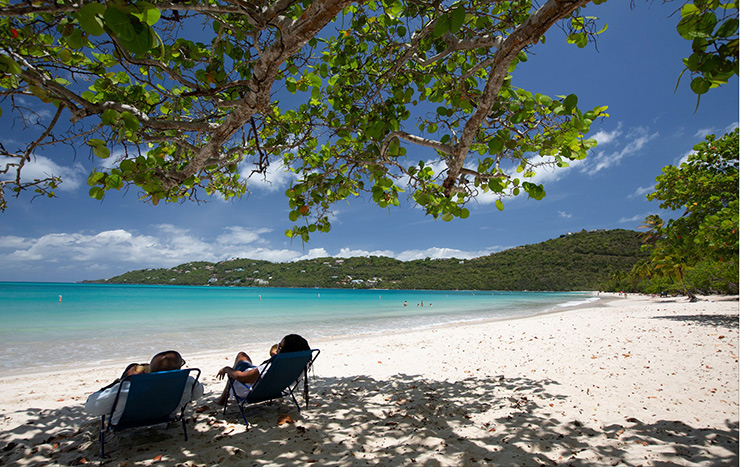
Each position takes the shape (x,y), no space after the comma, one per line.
(247,373)
(133,369)
(101,402)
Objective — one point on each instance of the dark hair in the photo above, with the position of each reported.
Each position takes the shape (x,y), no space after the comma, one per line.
(292,343)
(166,360)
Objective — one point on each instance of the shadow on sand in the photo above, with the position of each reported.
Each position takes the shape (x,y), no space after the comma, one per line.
(708,320)
(360,421)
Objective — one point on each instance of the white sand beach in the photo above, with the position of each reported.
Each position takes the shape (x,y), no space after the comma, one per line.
(635,381)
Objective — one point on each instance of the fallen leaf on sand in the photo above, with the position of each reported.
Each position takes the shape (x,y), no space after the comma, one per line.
(157,458)
(642,442)
(284,419)
(202,409)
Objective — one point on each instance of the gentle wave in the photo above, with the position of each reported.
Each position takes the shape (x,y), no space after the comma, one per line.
(98,324)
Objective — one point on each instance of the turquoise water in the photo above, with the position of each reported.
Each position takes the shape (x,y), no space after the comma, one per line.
(94,324)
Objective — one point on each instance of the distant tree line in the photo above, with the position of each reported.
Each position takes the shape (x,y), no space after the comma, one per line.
(572,262)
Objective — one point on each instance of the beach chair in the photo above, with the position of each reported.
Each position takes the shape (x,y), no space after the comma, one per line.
(150,400)
(280,378)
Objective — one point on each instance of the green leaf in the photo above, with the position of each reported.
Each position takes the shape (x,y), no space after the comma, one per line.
(76,40)
(457,19)
(534,191)
(500,205)
(442,26)
(99,148)
(113,181)
(8,65)
(497,185)
(119,22)
(90,17)
(148,13)
(700,85)
(728,28)
(394,11)
(97,193)
(570,102)
(134,36)
(95,178)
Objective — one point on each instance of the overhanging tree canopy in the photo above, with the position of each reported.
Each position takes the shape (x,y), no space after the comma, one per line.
(188,90)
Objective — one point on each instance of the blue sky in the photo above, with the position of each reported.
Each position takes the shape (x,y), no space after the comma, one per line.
(633,69)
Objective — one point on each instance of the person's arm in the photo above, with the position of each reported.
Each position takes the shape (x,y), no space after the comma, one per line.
(248,376)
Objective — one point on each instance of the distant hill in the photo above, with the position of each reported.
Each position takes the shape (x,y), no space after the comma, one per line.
(572,262)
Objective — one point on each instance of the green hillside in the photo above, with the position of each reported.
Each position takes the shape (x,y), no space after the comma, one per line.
(579,261)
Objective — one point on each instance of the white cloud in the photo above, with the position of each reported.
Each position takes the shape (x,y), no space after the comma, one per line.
(639,218)
(41,167)
(637,138)
(82,255)
(277,177)
(347,252)
(13,242)
(565,215)
(702,132)
(604,137)
(438,252)
(684,158)
(642,191)
(313,253)
(237,235)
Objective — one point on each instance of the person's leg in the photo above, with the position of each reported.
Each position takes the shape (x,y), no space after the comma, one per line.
(241,357)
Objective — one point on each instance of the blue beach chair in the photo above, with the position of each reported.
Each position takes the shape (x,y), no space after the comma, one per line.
(281,377)
(151,399)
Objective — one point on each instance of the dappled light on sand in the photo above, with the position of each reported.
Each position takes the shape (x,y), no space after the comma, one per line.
(636,381)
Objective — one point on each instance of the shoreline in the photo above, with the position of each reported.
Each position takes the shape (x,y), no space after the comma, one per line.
(633,381)
(587,298)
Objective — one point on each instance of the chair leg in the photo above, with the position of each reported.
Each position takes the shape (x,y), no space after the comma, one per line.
(295,402)
(102,436)
(244,416)
(184,429)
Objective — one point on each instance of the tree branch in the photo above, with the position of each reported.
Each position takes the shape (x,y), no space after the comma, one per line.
(528,33)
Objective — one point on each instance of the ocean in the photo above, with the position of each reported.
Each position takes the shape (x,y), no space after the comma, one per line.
(66,325)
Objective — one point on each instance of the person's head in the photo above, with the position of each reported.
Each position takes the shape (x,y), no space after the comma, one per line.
(134,369)
(165,361)
(274,349)
(293,343)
